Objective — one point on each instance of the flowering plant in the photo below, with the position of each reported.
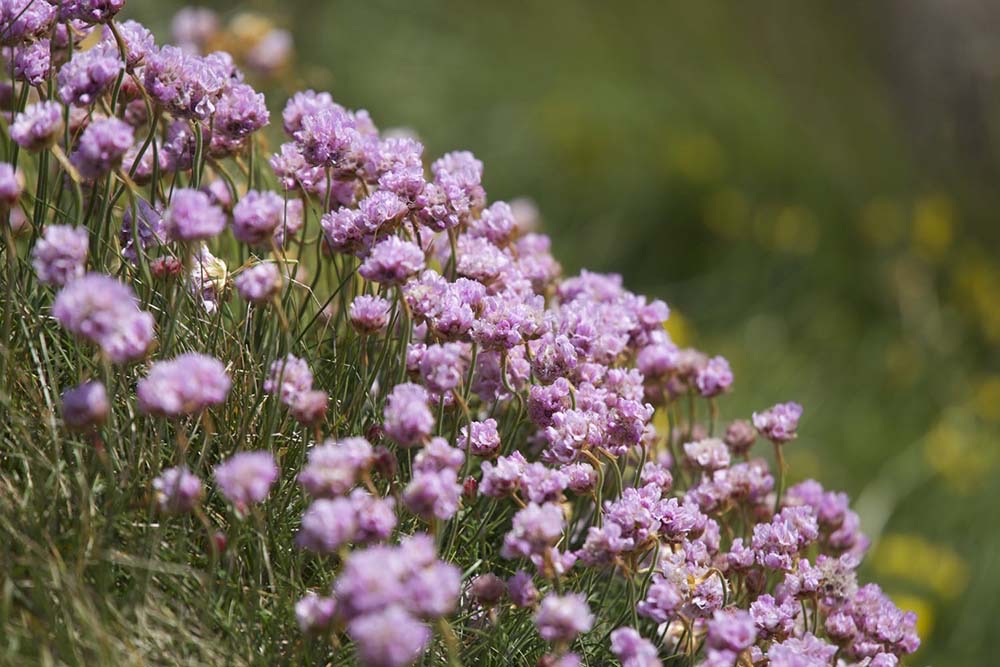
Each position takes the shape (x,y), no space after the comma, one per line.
(338,390)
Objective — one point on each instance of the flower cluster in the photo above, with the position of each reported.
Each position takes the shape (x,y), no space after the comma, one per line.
(467,426)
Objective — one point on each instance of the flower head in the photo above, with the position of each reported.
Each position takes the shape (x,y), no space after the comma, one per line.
(38,126)
(246,478)
(85,405)
(101,309)
(779,423)
(561,618)
(102,147)
(61,254)
(259,283)
(187,384)
(178,490)
(192,216)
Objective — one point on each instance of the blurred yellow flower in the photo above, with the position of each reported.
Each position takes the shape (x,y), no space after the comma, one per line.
(977,281)
(679,328)
(697,156)
(903,362)
(791,228)
(914,559)
(933,226)
(986,399)
(727,213)
(961,453)
(923,608)
(882,221)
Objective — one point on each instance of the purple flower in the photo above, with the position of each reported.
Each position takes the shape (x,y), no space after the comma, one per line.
(85,405)
(187,85)
(708,454)
(292,222)
(88,75)
(506,321)
(32,63)
(740,437)
(632,650)
(480,260)
(139,164)
(504,477)
(807,651)
(346,230)
(88,11)
(401,166)
(294,172)
(375,578)
(240,112)
(774,619)
(382,210)
(433,494)
(102,146)
(101,309)
(139,41)
(740,557)
(310,407)
(546,401)
(731,630)
(334,467)
(522,589)
(714,378)
(327,525)
(21,20)
(480,438)
(369,314)
(389,637)
(408,417)
(376,516)
(193,27)
(778,424)
(187,384)
(777,543)
(289,377)
(38,126)
(658,359)
(246,478)
(61,254)
(657,474)
(542,484)
(257,216)
(303,103)
(561,618)
(437,455)
(487,589)
(192,216)
(572,431)
(327,134)
(11,185)
(553,357)
(535,528)
(314,613)
(178,490)
(433,590)
(442,367)
(271,52)
(259,283)
(581,477)
(392,262)
(496,223)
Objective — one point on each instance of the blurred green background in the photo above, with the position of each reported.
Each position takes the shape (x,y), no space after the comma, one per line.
(811,186)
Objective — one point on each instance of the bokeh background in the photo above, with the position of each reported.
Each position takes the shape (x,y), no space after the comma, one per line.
(811,186)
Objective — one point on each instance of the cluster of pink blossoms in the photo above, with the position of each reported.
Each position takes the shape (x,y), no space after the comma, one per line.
(515,394)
